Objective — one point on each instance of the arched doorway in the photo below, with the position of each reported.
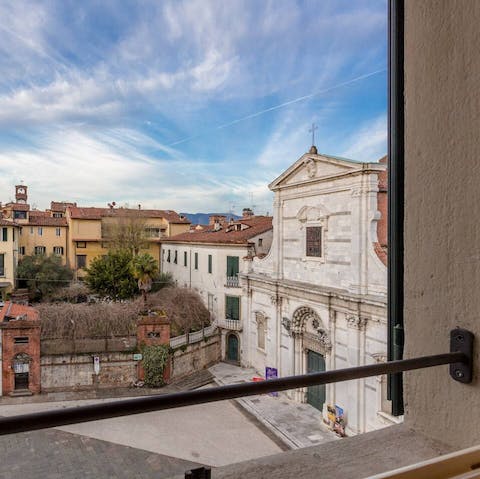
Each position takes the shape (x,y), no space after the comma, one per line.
(21,370)
(232,348)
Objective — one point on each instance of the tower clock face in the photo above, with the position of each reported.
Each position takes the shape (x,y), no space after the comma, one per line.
(21,190)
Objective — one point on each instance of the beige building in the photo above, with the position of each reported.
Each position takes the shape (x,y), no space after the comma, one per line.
(8,255)
(79,234)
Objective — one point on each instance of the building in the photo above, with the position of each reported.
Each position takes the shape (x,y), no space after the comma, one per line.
(318,300)
(210,259)
(92,230)
(78,234)
(8,255)
(20,356)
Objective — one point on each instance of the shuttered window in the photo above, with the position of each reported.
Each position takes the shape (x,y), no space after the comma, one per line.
(196,260)
(232,266)
(232,307)
(209,263)
(314,241)
(4,234)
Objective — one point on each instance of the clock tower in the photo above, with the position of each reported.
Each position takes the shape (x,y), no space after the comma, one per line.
(21,194)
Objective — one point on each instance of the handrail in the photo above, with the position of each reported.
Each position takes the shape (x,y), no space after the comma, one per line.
(74,415)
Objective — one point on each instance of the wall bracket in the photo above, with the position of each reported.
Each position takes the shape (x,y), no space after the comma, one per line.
(461,340)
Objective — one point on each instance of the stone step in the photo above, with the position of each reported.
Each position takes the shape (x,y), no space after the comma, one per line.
(193,381)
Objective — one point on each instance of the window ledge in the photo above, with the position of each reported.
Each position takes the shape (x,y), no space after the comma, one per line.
(359,456)
(385,416)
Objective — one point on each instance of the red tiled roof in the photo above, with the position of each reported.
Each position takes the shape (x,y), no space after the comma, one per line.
(43,218)
(256,225)
(18,206)
(92,213)
(7,223)
(13,310)
(60,206)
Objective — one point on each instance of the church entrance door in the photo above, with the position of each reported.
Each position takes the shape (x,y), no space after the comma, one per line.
(315,394)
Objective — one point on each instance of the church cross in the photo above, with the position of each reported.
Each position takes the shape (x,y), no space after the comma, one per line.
(312,131)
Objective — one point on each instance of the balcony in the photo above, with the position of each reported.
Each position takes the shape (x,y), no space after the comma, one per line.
(232,282)
(231,324)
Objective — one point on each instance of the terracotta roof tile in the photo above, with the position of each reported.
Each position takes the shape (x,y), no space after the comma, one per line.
(60,206)
(7,223)
(43,218)
(13,310)
(92,213)
(256,225)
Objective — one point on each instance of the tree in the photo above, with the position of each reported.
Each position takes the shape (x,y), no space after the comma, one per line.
(125,231)
(112,275)
(144,269)
(42,274)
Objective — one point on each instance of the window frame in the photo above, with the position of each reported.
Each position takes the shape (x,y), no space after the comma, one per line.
(210,264)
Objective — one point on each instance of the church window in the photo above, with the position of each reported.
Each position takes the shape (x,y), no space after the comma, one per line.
(314,241)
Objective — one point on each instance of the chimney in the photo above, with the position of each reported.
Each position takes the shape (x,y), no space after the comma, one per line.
(247,213)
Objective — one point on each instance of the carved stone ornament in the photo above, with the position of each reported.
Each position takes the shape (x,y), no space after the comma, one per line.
(287,324)
(324,339)
(311,167)
(356,322)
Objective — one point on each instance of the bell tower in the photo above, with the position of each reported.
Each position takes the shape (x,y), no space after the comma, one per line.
(21,194)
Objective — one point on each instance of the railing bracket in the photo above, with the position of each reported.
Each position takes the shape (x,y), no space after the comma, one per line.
(461,340)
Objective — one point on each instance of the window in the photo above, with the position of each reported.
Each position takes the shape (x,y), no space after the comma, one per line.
(175,257)
(21,250)
(314,241)
(58,215)
(40,250)
(196,260)
(184,258)
(4,234)
(81,261)
(260,241)
(40,231)
(81,244)
(21,340)
(232,307)
(232,266)
(168,256)
(152,232)
(20,215)
(209,263)
(58,250)
(2,265)
(58,231)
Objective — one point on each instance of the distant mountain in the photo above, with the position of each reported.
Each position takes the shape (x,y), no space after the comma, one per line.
(202,218)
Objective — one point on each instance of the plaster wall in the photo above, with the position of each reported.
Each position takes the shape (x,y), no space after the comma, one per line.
(30,237)
(442,194)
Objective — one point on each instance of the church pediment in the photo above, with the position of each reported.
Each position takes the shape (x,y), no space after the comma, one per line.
(311,167)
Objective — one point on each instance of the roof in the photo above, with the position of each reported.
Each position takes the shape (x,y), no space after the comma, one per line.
(92,213)
(255,225)
(18,206)
(60,206)
(7,223)
(43,218)
(13,311)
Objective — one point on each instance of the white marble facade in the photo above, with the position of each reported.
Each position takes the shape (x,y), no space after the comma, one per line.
(333,303)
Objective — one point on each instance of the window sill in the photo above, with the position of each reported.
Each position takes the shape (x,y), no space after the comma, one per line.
(389,419)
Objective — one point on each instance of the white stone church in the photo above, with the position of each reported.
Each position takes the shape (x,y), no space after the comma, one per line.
(318,300)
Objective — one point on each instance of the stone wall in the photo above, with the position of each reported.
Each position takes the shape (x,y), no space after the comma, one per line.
(63,372)
(196,356)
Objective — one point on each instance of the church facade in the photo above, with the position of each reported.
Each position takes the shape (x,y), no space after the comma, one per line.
(318,300)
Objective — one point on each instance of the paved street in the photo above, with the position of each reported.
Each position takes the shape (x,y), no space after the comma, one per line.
(297,425)
(212,434)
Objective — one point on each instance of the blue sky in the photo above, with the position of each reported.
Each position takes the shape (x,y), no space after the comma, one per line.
(191,105)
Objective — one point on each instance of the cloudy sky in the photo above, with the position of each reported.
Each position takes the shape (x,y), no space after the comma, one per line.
(191,105)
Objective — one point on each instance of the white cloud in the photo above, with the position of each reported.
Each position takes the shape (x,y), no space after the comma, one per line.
(370,142)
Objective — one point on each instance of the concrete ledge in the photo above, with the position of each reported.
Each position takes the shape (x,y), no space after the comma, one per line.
(355,457)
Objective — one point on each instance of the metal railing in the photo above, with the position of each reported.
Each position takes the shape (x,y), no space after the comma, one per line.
(459,359)
(232,282)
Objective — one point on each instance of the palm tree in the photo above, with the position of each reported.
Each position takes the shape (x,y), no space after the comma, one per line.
(145,269)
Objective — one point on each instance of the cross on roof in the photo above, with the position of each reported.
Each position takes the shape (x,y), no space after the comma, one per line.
(312,131)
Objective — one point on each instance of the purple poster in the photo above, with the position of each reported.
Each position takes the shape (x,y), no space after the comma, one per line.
(271,373)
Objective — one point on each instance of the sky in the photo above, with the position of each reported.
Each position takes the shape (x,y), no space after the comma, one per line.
(193,105)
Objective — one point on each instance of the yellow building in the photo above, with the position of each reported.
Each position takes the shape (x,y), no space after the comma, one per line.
(91,231)
(8,255)
(80,234)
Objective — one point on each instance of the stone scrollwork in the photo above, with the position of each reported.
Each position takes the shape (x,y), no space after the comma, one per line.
(311,167)
(356,322)
(287,324)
